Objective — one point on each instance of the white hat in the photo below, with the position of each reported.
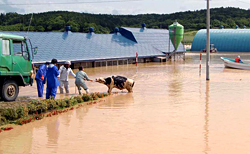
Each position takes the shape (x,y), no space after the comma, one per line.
(67,63)
(238,56)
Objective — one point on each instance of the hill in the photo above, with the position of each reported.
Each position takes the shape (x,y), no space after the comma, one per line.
(104,23)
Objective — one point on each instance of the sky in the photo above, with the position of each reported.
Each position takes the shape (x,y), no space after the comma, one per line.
(116,7)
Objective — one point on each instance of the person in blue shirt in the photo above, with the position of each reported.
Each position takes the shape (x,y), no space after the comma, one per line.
(40,78)
(52,77)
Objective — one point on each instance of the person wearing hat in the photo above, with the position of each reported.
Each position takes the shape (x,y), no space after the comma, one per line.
(238,60)
(41,78)
(64,71)
(52,76)
(80,77)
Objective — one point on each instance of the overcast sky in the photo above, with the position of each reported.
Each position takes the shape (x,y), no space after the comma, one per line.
(121,7)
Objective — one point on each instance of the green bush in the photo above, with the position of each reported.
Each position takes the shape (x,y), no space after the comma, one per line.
(20,111)
(51,104)
(100,95)
(94,96)
(2,120)
(78,99)
(70,102)
(106,94)
(86,97)
(32,108)
(10,114)
(37,107)
(41,107)
(73,101)
(62,103)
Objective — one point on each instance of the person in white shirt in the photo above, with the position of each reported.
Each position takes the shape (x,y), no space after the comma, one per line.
(64,71)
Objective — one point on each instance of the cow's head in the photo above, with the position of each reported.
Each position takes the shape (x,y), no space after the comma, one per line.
(100,80)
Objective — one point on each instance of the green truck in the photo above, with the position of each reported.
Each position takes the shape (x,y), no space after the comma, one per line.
(15,65)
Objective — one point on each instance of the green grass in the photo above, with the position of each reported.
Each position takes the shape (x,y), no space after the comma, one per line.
(189,36)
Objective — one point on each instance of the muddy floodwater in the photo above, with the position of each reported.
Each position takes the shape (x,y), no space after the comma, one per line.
(172,110)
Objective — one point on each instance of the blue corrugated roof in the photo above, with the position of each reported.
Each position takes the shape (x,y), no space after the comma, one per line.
(90,46)
(235,40)
(158,38)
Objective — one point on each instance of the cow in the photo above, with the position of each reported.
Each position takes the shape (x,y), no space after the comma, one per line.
(118,82)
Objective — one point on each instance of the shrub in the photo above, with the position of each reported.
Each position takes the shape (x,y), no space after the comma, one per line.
(51,104)
(37,107)
(25,111)
(106,94)
(41,107)
(94,96)
(100,95)
(20,111)
(73,101)
(10,114)
(61,103)
(2,120)
(32,108)
(70,102)
(86,97)
(78,99)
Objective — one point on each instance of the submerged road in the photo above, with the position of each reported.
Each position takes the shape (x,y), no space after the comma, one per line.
(172,110)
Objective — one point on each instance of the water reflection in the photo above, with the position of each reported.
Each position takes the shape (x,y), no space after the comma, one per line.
(81,113)
(206,126)
(175,84)
(53,133)
(121,100)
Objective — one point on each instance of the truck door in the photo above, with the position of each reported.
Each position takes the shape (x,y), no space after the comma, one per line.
(5,57)
(21,59)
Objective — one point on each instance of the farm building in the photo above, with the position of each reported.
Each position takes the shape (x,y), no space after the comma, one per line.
(90,49)
(225,40)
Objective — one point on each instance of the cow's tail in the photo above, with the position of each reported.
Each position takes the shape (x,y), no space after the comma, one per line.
(133,84)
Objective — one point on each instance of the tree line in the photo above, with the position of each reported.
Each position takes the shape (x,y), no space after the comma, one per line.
(105,23)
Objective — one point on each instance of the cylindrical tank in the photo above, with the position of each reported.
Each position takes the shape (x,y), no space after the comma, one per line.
(176,32)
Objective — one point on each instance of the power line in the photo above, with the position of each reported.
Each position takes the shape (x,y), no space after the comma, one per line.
(107,1)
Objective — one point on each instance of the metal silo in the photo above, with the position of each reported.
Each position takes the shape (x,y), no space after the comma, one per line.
(176,32)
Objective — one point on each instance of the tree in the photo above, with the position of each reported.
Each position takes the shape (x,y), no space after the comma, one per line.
(103,23)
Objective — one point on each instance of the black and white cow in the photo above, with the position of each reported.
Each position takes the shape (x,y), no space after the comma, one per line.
(118,82)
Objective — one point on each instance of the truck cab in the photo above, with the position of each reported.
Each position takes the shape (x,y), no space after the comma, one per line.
(15,65)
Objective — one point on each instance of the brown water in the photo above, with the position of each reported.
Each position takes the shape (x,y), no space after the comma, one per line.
(172,110)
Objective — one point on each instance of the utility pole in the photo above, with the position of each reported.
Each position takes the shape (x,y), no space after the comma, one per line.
(208,42)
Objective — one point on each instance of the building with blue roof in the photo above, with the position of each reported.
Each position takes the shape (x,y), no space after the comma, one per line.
(226,40)
(90,47)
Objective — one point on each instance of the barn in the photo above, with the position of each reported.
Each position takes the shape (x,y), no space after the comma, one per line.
(92,50)
(225,40)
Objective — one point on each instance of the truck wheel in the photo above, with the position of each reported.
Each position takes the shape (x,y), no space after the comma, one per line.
(10,90)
